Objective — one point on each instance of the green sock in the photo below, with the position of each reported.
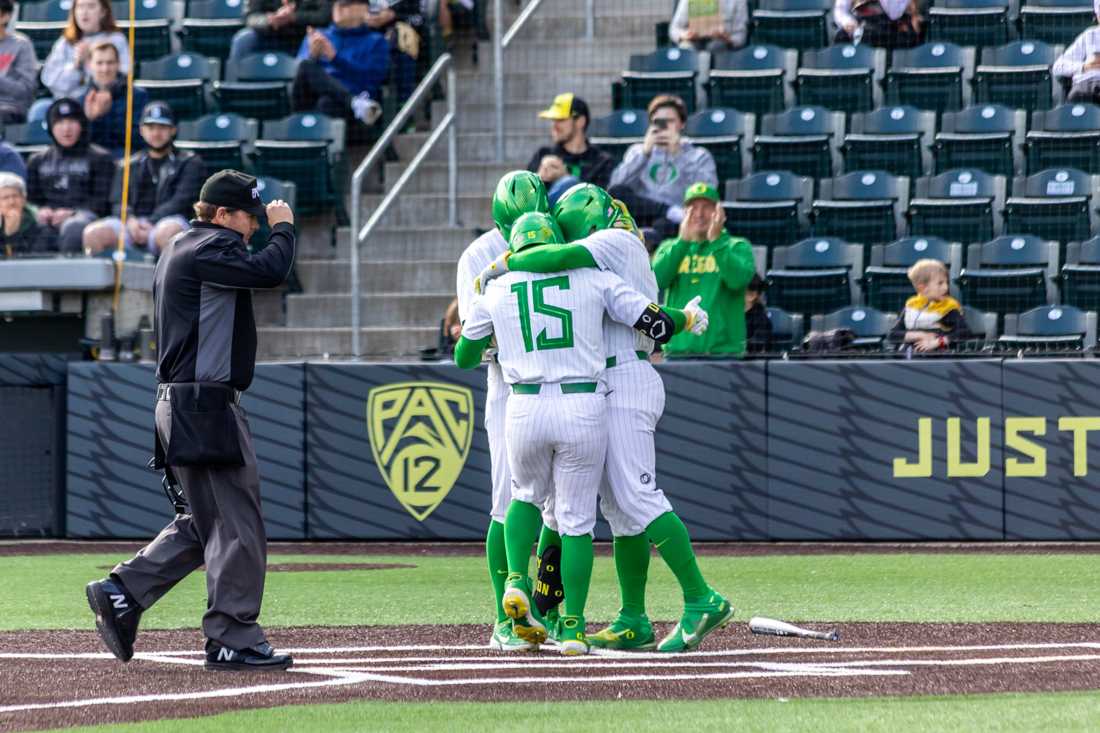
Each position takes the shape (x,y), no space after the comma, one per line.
(576,572)
(498,564)
(632,568)
(671,539)
(546,538)
(521,529)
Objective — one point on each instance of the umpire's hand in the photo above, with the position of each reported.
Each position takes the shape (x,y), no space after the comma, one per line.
(278,211)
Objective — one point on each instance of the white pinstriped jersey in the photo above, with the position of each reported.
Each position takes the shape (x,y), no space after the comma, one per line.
(479,255)
(622,253)
(549,327)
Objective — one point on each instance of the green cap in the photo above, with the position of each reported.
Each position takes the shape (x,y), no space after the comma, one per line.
(532,229)
(583,209)
(517,193)
(701,190)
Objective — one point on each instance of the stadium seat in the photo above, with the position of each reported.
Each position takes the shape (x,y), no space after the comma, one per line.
(1079,279)
(893,139)
(1050,328)
(886,283)
(257,86)
(770,208)
(1068,135)
(669,70)
(969,22)
(930,76)
(983,326)
(28,138)
(616,132)
(798,24)
(42,22)
(208,26)
(870,325)
(39,108)
(152,27)
(962,205)
(981,136)
(221,139)
(864,206)
(817,275)
(723,132)
(787,330)
(803,140)
(181,80)
(841,78)
(1053,204)
(1010,274)
(1057,22)
(307,149)
(752,79)
(1017,75)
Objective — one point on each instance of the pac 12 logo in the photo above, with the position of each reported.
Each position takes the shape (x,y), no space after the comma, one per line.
(420,434)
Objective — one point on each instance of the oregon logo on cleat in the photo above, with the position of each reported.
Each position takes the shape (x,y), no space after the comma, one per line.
(420,435)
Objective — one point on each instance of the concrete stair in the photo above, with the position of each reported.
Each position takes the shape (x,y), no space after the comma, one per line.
(380,308)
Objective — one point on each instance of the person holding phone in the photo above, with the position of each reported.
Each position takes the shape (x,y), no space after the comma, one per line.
(656,172)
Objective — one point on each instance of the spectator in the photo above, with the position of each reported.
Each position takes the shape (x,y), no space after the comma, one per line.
(571,158)
(67,70)
(1080,63)
(723,28)
(758,327)
(105,102)
(20,233)
(164,185)
(277,25)
(401,22)
(341,69)
(70,182)
(882,23)
(705,260)
(655,173)
(11,161)
(932,319)
(18,70)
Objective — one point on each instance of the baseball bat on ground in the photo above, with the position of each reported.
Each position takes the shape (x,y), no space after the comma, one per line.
(772,627)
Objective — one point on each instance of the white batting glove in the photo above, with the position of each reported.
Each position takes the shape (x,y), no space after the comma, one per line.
(496,268)
(697,318)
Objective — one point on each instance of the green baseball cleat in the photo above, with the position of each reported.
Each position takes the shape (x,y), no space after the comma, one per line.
(503,640)
(572,641)
(699,619)
(518,607)
(625,633)
(552,621)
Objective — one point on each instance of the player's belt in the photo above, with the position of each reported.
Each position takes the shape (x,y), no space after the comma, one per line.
(569,388)
(234,395)
(612,360)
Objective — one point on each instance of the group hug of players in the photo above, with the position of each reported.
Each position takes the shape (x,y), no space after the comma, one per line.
(572,406)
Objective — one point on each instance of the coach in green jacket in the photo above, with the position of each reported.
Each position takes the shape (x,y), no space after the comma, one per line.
(705,260)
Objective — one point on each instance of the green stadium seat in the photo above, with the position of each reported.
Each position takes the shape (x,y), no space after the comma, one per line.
(616,132)
(208,26)
(930,76)
(787,330)
(1010,274)
(817,275)
(724,133)
(1079,279)
(669,70)
(1049,328)
(983,136)
(870,325)
(1017,75)
(969,22)
(886,283)
(152,27)
(257,86)
(181,80)
(867,207)
(893,139)
(1068,135)
(1053,204)
(1057,22)
(962,205)
(307,149)
(841,78)
(798,24)
(770,208)
(221,139)
(803,140)
(752,79)
(42,22)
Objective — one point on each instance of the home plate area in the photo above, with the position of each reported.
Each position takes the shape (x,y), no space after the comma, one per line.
(63,678)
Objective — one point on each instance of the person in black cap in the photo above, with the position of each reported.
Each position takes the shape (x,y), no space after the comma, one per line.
(164,183)
(70,182)
(206,341)
(571,158)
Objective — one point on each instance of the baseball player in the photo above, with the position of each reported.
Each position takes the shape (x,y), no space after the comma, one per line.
(635,507)
(550,341)
(517,193)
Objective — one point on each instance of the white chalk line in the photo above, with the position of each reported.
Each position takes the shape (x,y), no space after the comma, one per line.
(808,672)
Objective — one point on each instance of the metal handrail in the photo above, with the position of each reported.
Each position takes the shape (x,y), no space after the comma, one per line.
(445,63)
(500,42)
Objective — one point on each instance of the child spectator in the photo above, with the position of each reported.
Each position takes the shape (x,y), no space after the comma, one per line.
(67,71)
(18,70)
(402,23)
(932,319)
(1081,64)
(720,25)
(277,25)
(105,102)
(20,234)
(758,327)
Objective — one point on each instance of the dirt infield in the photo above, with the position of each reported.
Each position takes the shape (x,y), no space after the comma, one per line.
(50,679)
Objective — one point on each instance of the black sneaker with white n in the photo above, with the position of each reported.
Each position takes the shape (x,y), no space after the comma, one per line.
(259,658)
(116,616)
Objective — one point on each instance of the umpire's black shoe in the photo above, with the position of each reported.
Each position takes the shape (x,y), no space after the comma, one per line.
(259,658)
(116,616)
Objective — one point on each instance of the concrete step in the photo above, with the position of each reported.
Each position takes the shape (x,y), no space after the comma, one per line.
(419,243)
(267,306)
(475,147)
(521,116)
(619,23)
(537,87)
(309,310)
(428,210)
(567,54)
(378,343)
(472,177)
(409,276)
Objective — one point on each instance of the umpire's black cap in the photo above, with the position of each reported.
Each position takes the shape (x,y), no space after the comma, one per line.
(233,190)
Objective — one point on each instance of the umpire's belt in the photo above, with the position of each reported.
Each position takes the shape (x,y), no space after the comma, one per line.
(566,388)
(614,360)
(201,392)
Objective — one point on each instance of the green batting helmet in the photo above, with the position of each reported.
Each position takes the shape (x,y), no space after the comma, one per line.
(534,228)
(517,193)
(584,209)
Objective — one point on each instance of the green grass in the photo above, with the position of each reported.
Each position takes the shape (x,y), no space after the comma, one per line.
(962,587)
(1063,712)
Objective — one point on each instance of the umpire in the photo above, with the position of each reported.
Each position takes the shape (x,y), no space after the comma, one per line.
(206,338)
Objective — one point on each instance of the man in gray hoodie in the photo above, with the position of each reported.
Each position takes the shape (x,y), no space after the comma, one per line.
(18,70)
(654,173)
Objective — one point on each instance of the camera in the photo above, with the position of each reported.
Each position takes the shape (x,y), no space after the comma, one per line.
(660,124)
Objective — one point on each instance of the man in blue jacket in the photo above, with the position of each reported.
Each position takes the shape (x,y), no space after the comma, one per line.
(341,69)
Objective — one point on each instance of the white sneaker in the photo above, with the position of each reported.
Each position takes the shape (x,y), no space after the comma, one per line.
(365,108)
